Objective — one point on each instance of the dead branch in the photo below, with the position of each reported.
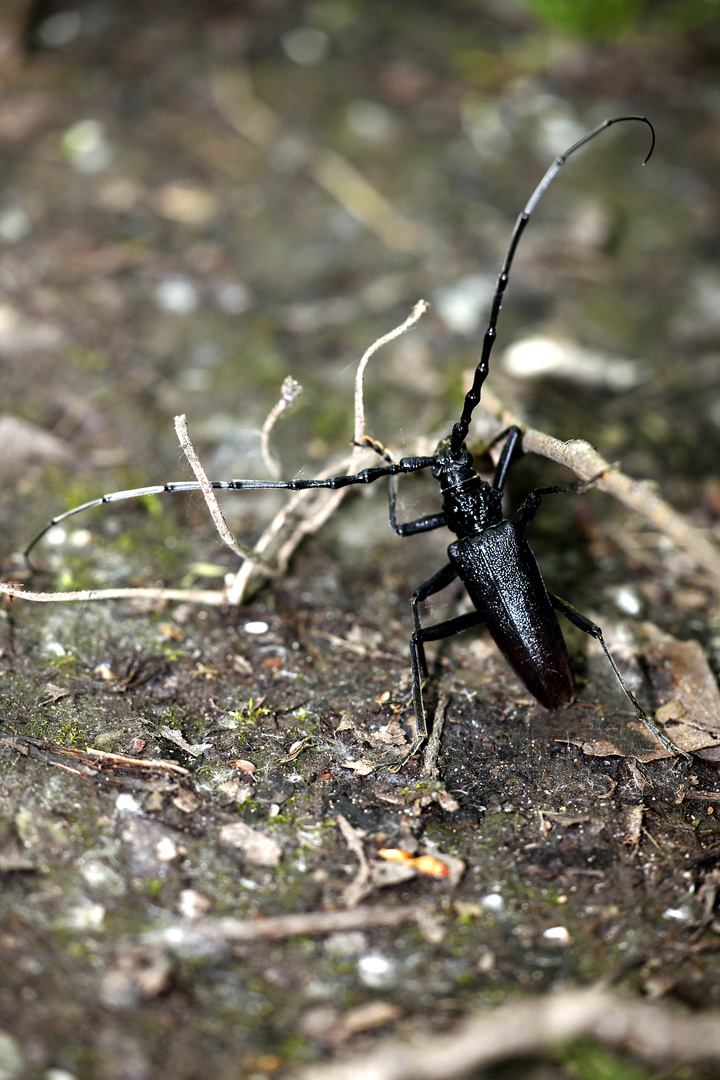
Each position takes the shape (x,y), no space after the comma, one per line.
(211,597)
(636,495)
(432,750)
(654,1033)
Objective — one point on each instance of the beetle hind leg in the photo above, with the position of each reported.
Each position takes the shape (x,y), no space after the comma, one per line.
(593,630)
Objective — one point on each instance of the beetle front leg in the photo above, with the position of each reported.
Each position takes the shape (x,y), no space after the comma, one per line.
(589,627)
(402,528)
(510,452)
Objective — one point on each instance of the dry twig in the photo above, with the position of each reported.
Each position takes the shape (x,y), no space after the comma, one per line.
(575,454)
(321,503)
(432,750)
(225,932)
(209,495)
(142,774)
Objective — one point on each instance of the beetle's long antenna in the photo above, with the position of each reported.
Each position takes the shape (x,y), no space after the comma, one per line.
(461,428)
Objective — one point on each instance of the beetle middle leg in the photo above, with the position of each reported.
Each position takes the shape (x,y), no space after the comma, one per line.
(418,668)
(426,523)
(418,662)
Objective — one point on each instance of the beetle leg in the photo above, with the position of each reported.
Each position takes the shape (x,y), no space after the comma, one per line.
(418,665)
(403,528)
(510,452)
(418,662)
(530,506)
(435,584)
(409,528)
(589,627)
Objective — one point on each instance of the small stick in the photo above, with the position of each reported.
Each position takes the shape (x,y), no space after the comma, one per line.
(532,1028)
(432,750)
(417,313)
(211,597)
(229,931)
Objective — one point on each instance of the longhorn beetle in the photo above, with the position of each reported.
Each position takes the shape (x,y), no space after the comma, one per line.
(491,555)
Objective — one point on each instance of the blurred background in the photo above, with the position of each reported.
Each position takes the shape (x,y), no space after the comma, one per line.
(200,198)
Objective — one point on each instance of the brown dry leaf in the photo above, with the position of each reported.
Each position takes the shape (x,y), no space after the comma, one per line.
(243,765)
(362,766)
(686,687)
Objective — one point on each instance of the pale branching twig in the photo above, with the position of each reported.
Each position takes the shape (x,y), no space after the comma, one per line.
(288,392)
(576,454)
(322,503)
(212,504)
(417,313)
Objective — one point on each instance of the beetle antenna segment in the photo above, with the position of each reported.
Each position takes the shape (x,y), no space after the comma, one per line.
(461,428)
